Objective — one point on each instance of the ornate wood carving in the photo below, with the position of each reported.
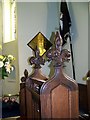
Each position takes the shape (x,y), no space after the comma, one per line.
(36,78)
(23,79)
(59,95)
(37,60)
(57,54)
(56,97)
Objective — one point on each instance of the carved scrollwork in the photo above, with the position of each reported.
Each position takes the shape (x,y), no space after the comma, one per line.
(57,54)
(23,79)
(37,60)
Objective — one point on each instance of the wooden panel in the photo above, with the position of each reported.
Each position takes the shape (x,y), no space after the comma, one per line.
(45,106)
(59,98)
(73,104)
(36,110)
(83,98)
(33,104)
(29,104)
(60,102)
(88,90)
(22,100)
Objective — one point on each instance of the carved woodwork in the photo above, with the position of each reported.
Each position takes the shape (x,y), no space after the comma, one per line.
(84,101)
(30,86)
(55,97)
(22,94)
(88,89)
(59,95)
(87,78)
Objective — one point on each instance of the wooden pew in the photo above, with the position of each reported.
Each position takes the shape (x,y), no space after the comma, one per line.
(88,90)
(84,100)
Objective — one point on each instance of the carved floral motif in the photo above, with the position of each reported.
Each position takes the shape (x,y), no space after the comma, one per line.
(57,54)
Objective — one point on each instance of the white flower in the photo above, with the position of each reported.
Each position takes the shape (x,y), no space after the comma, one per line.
(10,57)
(12,68)
(8,67)
(1,64)
(6,64)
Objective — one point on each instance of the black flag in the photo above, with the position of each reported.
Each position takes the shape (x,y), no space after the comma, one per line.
(65,22)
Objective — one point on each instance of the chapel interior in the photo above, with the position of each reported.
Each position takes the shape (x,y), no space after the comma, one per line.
(39,76)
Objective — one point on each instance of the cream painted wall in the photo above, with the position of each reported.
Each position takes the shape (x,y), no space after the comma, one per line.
(32,18)
(89,37)
(35,17)
(0,28)
(79,33)
(80,38)
(11,83)
(0,53)
(0,43)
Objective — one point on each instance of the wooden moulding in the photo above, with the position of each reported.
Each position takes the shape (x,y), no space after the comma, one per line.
(59,95)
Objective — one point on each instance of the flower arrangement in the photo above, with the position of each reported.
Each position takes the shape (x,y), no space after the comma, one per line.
(6,66)
(10,98)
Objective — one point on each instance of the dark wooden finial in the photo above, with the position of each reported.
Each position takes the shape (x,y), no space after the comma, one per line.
(23,79)
(57,54)
(39,44)
(37,60)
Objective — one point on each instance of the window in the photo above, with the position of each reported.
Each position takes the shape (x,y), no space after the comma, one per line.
(9,20)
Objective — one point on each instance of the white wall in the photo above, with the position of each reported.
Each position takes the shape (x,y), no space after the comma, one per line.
(32,18)
(79,36)
(80,39)
(89,38)
(35,17)
(0,28)
(11,83)
(0,43)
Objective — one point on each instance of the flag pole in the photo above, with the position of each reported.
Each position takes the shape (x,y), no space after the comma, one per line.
(74,77)
(65,24)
